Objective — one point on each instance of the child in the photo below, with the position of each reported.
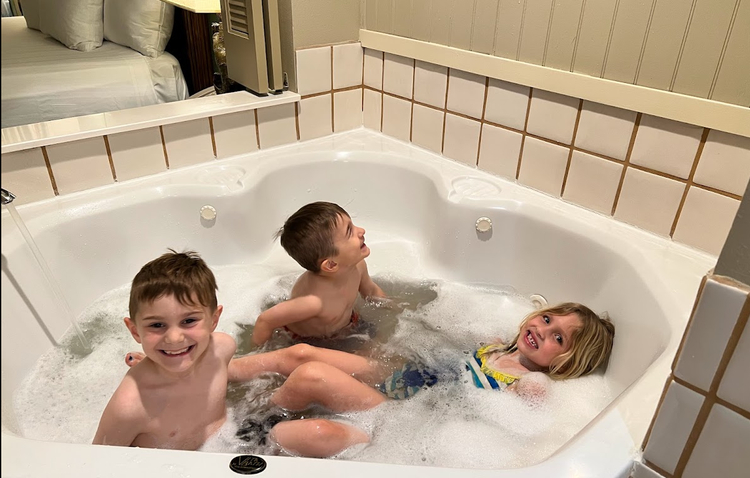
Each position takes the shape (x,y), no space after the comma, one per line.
(175,396)
(321,238)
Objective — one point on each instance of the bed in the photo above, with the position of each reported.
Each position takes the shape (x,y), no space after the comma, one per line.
(43,80)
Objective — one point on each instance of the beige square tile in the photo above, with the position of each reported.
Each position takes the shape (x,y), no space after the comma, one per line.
(427,128)
(25,174)
(605,130)
(276,125)
(374,69)
(672,427)
(592,182)
(315,117)
(398,75)
(499,151)
(543,166)
(649,201)
(347,106)
(665,145)
(722,448)
(235,134)
(705,220)
(137,153)
(552,116)
(80,165)
(507,104)
(643,471)
(314,70)
(347,65)
(705,341)
(396,117)
(188,143)
(735,387)
(372,109)
(430,82)
(466,93)
(461,139)
(724,163)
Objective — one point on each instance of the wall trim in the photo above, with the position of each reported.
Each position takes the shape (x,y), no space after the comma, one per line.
(687,109)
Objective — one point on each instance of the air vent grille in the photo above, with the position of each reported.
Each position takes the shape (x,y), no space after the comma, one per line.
(237,17)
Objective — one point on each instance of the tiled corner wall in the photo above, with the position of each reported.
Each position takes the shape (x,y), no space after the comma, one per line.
(671,178)
(702,424)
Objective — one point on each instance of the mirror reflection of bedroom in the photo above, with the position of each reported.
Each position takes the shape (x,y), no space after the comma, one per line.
(66,58)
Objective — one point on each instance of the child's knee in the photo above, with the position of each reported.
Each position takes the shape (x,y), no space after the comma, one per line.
(300,353)
(309,372)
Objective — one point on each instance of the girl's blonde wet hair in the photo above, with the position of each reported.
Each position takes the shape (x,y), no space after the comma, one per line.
(591,343)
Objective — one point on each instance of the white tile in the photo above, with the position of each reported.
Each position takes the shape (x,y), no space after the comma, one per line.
(427,128)
(735,387)
(80,165)
(722,448)
(643,471)
(724,163)
(705,341)
(507,104)
(605,130)
(235,134)
(705,220)
(372,113)
(25,174)
(398,75)
(315,117)
(314,70)
(277,125)
(649,201)
(347,106)
(430,82)
(396,117)
(543,165)
(665,145)
(374,69)
(592,182)
(137,153)
(499,151)
(188,143)
(466,93)
(552,116)
(461,139)
(673,425)
(347,65)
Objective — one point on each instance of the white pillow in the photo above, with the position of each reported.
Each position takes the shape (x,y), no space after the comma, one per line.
(30,10)
(143,25)
(78,24)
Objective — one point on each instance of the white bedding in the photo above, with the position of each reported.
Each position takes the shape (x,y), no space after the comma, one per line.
(43,80)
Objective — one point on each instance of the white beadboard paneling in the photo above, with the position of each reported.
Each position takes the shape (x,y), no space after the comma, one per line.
(499,151)
(665,145)
(466,93)
(373,69)
(507,104)
(427,128)
(314,70)
(188,143)
(721,450)
(25,174)
(80,165)
(347,65)
(724,163)
(276,125)
(605,130)
(398,75)
(715,317)
(137,153)
(705,220)
(461,139)
(430,83)
(543,166)
(396,117)
(347,106)
(315,117)
(649,201)
(552,116)
(234,134)
(372,109)
(592,182)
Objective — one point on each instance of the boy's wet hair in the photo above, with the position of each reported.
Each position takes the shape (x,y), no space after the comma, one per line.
(591,343)
(183,275)
(307,236)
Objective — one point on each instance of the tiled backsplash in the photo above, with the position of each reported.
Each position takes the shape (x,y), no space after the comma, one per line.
(702,425)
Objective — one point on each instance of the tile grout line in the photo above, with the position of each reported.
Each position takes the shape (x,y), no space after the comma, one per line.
(296,118)
(109,157)
(525,128)
(445,107)
(572,148)
(626,162)
(333,106)
(257,128)
(382,90)
(481,121)
(658,469)
(49,171)
(411,106)
(689,181)
(719,401)
(164,146)
(213,139)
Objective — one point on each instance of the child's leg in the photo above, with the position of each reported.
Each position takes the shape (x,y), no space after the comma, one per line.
(286,360)
(326,385)
(316,438)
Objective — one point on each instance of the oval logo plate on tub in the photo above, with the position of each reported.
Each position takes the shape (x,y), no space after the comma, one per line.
(247,464)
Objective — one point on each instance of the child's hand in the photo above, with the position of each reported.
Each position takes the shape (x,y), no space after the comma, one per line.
(532,387)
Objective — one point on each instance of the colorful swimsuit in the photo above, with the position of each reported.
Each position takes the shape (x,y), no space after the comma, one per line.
(484,376)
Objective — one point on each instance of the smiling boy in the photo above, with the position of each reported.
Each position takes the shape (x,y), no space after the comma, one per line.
(321,238)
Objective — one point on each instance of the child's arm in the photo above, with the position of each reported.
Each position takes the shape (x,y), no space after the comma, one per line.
(367,287)
(122,420)
(532,386)
(294,310)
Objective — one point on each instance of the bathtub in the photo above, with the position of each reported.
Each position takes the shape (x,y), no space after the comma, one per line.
(420,212)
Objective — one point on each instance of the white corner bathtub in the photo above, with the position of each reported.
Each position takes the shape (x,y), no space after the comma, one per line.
(97,240)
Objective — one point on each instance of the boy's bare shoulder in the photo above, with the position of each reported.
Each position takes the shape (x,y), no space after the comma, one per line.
(126,403)
(225,345)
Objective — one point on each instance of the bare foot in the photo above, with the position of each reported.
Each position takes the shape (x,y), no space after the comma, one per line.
(133,358)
